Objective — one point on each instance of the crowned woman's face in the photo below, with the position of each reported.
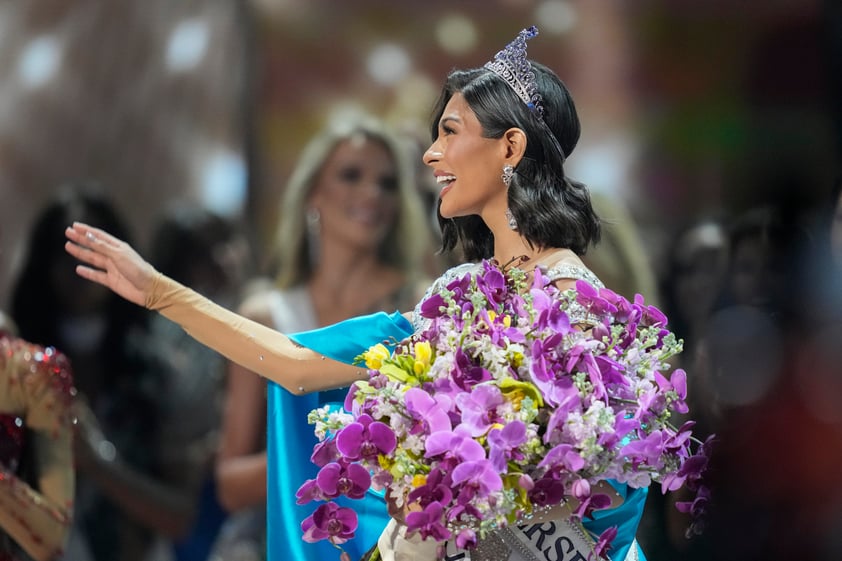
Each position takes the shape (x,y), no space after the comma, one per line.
(466,164)
(356,194)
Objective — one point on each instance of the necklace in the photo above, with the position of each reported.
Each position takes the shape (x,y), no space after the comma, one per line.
(520,260)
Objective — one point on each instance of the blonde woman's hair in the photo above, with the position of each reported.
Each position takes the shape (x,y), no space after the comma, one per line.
(404,245)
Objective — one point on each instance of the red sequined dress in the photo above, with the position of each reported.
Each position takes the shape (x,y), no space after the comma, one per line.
(36,453)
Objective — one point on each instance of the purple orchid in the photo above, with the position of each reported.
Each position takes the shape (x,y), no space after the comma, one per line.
(504,443)
(430,413)
(456,444)
(325,452)
(647,450)
(478,475)
(428,522)
(466,538)
(493,285)
(365,439)
(547,491)
(563,455)
(650,314)
(478,408)
(466,374)
(435,490)
(434,306)
(330,522)
(678,384)
(588,502)
(589,297)
(697,509)
(603,544)
(309,491)
(337,478)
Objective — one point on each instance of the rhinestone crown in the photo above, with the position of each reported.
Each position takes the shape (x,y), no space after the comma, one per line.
(512,66)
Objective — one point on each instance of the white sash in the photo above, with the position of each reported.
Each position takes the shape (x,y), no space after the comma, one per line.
(552,540)
(549,540)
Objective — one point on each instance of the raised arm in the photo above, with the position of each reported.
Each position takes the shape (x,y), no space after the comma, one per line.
(116,265)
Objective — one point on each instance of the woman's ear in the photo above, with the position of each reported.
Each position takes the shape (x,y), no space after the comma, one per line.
(514,141)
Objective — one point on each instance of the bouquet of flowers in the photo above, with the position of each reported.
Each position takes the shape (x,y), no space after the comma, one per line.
(515,397)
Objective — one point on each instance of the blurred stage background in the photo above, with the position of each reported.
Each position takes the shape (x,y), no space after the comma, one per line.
(687,106)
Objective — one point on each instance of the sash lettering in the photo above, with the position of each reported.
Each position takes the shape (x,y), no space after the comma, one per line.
(556,540)
(553,541)
(452,553)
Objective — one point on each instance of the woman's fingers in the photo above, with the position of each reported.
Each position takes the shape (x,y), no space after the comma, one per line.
(91,274)
(108,261)
(93,238)
(96,236)
(81,253)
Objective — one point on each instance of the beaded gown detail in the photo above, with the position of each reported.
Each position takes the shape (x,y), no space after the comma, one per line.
(36,426)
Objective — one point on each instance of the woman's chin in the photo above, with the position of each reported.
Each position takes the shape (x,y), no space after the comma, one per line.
(447,212)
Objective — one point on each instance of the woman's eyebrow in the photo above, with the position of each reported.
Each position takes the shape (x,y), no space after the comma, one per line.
(448,118)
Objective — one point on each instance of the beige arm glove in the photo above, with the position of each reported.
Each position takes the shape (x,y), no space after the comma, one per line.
(248,343)
(38,388)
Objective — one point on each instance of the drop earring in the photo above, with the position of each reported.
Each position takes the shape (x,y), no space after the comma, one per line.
(512,221)
(313,219)
(508,174)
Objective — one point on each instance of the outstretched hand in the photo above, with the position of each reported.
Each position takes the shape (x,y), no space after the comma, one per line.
(110,262)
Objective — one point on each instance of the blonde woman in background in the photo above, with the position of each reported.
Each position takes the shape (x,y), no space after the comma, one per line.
(351,237)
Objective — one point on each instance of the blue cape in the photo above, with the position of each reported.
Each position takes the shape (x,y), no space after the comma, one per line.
(290,442)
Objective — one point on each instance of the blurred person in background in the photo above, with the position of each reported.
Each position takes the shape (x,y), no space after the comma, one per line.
(351,237)
(202,249)
(737,350)
(693,276)
(770,473)
(691,280)
(123,500)
(836,224)
(620,258)
(36,448)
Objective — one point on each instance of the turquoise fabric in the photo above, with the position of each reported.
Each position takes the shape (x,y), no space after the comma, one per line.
(626,517)
(290,443)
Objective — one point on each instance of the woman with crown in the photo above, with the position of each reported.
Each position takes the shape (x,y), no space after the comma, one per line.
(501,134)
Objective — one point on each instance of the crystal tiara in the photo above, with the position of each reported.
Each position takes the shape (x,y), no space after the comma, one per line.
(511,65)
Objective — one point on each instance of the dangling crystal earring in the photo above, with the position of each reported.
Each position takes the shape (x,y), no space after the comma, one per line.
(511,218)
(508,173)
(313,218)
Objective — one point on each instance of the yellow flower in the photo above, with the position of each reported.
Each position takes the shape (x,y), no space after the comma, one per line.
(375,356)
(423,355)
(507,320)
(398,374)
(516,358)
(385,462)
(419,479)
(516,390)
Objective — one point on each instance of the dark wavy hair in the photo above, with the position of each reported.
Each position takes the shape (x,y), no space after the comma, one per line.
(35,302)
(551,209)
(132,384)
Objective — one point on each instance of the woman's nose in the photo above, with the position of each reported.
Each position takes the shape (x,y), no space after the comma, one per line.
(432,155)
